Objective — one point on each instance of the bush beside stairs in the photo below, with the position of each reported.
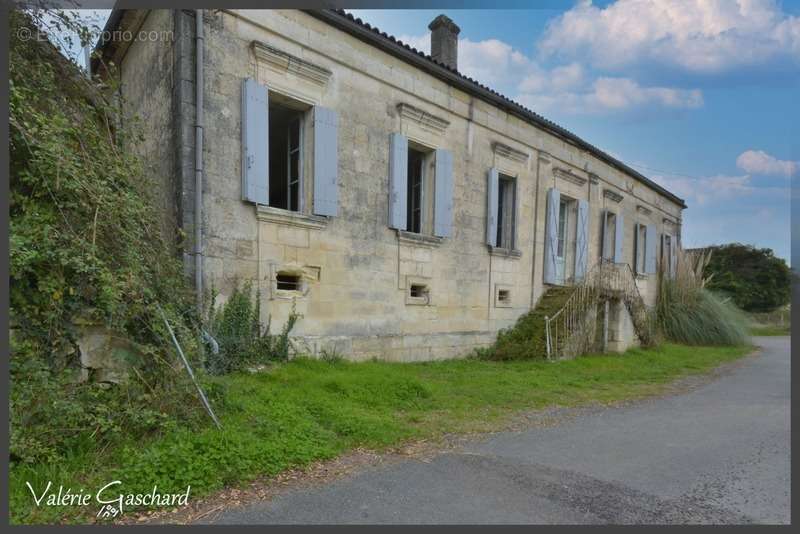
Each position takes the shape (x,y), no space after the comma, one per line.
(527,339)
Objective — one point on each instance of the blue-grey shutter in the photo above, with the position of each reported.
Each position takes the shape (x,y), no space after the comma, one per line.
(443,194)
(582,240)
(326,161)
(398,181)
(619,235)
(255,142)
(650,248)
(492,200)
(551,235)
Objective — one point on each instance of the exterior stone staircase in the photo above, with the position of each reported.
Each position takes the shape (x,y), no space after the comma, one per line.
(570,331)
(528,339)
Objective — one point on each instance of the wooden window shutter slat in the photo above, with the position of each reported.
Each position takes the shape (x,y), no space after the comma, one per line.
(551,235)
(398,180)
(492,202)
(443,194)
(326,161)
(582,240)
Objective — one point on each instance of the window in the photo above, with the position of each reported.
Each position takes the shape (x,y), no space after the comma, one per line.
(640,257)
(506,207)
(561,247)
(288,282)
(666,254)
(416,190)
(285,157)
(418,291)
(609,235)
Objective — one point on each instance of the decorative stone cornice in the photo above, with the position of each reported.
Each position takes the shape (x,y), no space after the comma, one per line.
(669,221)
(643,209)
(286,62)
(544,157)
(568,175)
(612,195)
(425,119)
(508,152)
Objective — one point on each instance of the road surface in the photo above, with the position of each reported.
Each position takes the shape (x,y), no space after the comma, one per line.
(716,454)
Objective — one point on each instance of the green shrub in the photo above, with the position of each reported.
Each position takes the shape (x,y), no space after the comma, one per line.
(242,339)
(686,312)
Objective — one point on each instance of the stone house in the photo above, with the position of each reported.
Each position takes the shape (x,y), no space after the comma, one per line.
(406,211)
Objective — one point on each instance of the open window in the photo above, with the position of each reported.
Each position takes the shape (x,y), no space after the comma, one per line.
(506,211)
(286,156)
(289,152)
(640,250)
(609,235)
(417,199)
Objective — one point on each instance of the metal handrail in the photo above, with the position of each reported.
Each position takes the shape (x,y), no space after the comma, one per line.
(603,277)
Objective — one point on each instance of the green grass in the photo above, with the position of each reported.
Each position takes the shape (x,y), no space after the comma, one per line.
(770,330)
(308,410)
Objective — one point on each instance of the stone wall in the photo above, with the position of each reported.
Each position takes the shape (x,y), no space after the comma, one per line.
(356,270)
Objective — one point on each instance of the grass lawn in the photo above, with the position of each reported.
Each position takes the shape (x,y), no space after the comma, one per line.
(306,410)
(770,330)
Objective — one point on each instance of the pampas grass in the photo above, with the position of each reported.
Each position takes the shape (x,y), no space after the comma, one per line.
(688,313)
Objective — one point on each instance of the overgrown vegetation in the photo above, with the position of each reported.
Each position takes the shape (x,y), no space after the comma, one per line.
(306,410)
(243,340)
(84,246)
(754,278)
(686,312)
(527,338)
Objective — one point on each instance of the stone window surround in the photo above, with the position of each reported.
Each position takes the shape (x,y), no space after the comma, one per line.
(290,218)
(405,237)
(500,252)
(427,300)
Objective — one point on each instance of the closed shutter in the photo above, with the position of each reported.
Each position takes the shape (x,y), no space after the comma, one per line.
(636,248)
(650,249)
(443,194)
(326,161)
(582,240)
(619,235)
(551,235)
(255,142)
(492,199)
(398,181)
(603,240)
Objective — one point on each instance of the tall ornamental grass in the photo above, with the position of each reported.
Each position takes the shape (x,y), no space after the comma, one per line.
(688,313)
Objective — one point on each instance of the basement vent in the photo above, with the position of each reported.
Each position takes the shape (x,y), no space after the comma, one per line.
(419,291)
(288,282)
(504,296)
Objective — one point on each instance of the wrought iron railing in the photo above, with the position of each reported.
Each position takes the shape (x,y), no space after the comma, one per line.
(570,330)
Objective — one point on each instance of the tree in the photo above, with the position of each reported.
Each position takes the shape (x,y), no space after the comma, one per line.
(754,278)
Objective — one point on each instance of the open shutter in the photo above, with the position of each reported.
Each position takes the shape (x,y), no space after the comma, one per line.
(582,240)
(326,161)
(398,181)
(551,235)
(443,194)
(619,235)
(255,142)
(636,245)
(492,204)
(650,249)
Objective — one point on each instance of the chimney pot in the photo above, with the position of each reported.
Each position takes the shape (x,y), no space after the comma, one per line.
(444,41)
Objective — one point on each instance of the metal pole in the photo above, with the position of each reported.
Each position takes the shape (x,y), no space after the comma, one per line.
(198,162)
(189,370)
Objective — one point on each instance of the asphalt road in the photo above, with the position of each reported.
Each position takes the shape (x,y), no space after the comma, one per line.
(717,454)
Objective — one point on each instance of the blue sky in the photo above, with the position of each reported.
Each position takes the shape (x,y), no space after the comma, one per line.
(699,95)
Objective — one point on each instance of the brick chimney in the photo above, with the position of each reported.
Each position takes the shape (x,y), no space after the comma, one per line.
(444,41)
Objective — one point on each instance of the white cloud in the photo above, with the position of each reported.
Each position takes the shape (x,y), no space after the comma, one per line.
(603,95)
(759,162)
(696,35)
